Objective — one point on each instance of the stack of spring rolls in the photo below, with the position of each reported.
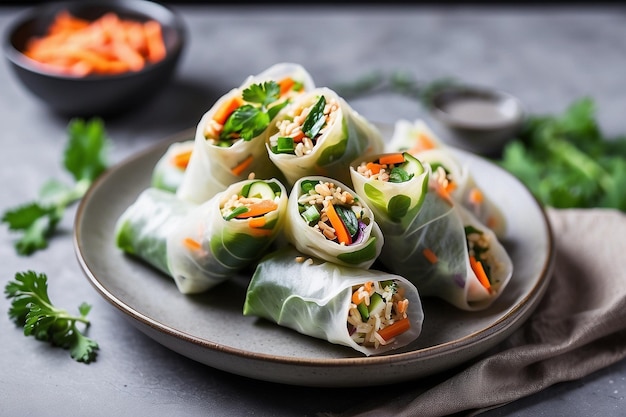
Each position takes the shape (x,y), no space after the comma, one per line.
(287,178)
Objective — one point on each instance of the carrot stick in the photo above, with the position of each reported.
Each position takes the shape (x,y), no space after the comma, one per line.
(422,143)
(259,209)
(340,228)
(256,222)
(242,166)
(478,269)
(154,39)
(475,196)
(227,108)
(181,160)
(391,159)
(191,244)
(395,329)
(430,255)
(374,167)
(285,85)
(298,136)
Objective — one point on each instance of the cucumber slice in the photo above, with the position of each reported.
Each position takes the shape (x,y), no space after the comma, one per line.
(365,314)
(411,165)
(377,304)
(262,190)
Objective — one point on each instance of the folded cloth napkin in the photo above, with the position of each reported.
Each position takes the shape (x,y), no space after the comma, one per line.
(577,328)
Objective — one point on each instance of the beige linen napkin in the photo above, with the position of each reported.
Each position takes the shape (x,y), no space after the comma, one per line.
(578,328)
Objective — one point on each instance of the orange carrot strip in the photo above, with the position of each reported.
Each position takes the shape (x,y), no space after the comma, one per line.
(259,209)
(242,166)
(430,255)
(357,296)
(256,222)
(125,53)
(478,269)
(395,329)
(154,40)
(475,196)
(391,159)
(422,143)
(227,108)
(181,160)
(368,286)
(298,136)
(343,236)
(192,244)
(285,85)
(374,167)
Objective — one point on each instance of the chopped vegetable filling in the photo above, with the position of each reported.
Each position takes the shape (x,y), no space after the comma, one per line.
(301,128)
(255,200)
(334,212)
(378,313)
(481,258)
(388,168)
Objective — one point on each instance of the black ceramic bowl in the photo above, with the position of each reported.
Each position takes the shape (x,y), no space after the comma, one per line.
(94,95)
(477,119)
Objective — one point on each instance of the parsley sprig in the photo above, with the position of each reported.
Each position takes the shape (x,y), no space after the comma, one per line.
(32,309)
(251,119)
(85,158)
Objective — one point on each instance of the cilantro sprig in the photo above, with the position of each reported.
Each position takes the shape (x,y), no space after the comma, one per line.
(32,309)
(566,161)
(251,119)
(85,158)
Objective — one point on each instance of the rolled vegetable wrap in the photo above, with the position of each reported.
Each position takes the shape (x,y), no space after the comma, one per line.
(448,253)
(393,184)
(207,243)
(368,310)
(170,168)
(230,137)
(328,220)
(320,134)
(448,173)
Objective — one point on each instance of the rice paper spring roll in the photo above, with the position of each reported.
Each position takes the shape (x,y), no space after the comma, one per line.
(230,137)
(448,253)
(368,310)
(393,185)
(328,220)
(201,245)
(170,168)
(320,134)
(448,172)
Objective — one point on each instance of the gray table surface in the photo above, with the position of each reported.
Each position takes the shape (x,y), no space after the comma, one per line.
(547,56)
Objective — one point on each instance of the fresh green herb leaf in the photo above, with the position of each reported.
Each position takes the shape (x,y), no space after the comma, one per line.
(32,309)
(566,161)
(398,174)
(315,120)
(250,120)
(263,94)
(348,217)
(85,158)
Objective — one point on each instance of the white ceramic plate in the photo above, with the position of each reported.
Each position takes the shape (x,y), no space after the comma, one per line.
(211,329)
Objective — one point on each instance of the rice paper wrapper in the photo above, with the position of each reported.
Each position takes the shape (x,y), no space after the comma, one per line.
(226,246)
(212,168)
(439,228)
(143,228)
(167,175)
(313,298)
(392,202)
(311,242)
(344,138)
(418,139)
(193,243)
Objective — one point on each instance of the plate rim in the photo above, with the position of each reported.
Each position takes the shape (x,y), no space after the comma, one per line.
(514,317)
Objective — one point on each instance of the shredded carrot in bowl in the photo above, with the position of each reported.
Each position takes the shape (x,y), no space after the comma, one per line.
(108,45)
